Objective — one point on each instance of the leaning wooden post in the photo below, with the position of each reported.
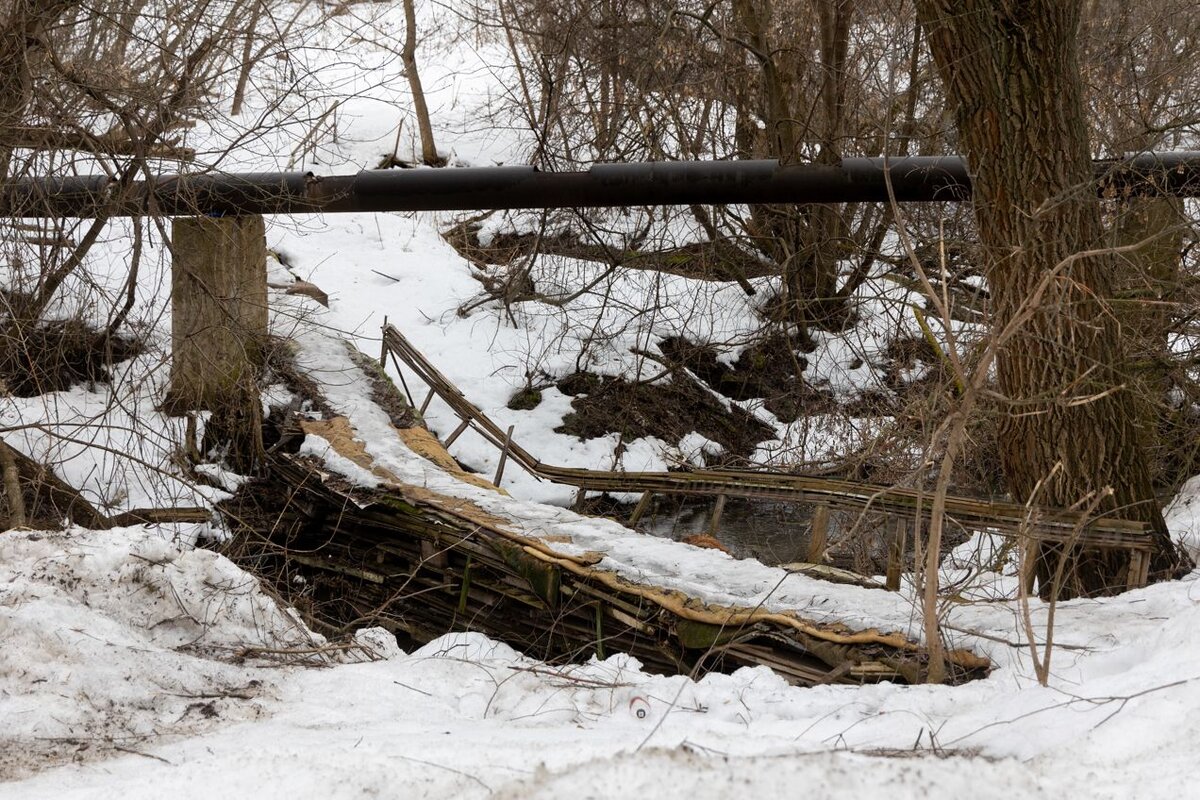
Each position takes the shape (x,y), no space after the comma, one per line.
(219,328)
(818,541)
(714,522)
(504,457)
(896,546)
(643,504)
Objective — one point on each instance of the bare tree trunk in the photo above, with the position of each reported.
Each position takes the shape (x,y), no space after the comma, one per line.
(805,241)
(19,38)
(1012,77)
(12,487)
(429,153)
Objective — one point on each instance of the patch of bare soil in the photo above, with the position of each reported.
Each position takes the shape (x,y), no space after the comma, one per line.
(54,356)
(669,410)
(771,369)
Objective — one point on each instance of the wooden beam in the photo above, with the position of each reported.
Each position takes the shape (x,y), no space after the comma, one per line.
(714,522)
(503,456)
(639,511)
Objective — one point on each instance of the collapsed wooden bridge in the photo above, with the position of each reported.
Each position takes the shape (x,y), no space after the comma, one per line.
(422,563)
(422,557)
(903,506)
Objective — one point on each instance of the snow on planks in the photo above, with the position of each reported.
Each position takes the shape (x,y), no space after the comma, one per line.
(378,551)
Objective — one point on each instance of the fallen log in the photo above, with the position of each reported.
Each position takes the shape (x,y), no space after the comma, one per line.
(54,497)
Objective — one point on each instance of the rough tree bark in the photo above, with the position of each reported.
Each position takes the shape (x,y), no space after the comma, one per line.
(1012,78)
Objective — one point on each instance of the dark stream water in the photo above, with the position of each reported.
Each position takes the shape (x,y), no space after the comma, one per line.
(772,532)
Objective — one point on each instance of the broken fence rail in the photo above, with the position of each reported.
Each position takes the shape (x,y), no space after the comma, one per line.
(1008,519)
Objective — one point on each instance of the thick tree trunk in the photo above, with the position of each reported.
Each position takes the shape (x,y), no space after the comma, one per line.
(1070,431)
(219,328)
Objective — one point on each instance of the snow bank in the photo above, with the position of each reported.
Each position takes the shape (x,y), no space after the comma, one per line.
(131,654)
(112,639)
(466,717)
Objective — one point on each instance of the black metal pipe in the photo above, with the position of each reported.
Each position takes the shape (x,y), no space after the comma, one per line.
(913,179)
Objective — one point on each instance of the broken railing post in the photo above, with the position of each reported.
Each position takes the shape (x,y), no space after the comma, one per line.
(462,426)
(383,348)
(896,545)
(219,328)
(714,522)
(640,509)
(503,456)
(425,403)
(819,538)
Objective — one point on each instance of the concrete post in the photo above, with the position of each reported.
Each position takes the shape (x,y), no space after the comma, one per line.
(219,327)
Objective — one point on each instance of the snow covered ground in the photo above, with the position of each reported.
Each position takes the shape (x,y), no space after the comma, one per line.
(133,664)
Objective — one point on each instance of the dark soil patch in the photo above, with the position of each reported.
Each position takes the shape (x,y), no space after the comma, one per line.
(771,369)
(54,356)
(669,410)
(44,511)
(580,383)
(525,399)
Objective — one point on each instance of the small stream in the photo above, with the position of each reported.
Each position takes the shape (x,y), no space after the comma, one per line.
(772,532)
(778,533)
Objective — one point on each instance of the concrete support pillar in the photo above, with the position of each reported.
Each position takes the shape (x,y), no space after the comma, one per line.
(219,327)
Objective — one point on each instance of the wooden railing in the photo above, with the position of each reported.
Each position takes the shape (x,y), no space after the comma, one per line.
(904,506)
